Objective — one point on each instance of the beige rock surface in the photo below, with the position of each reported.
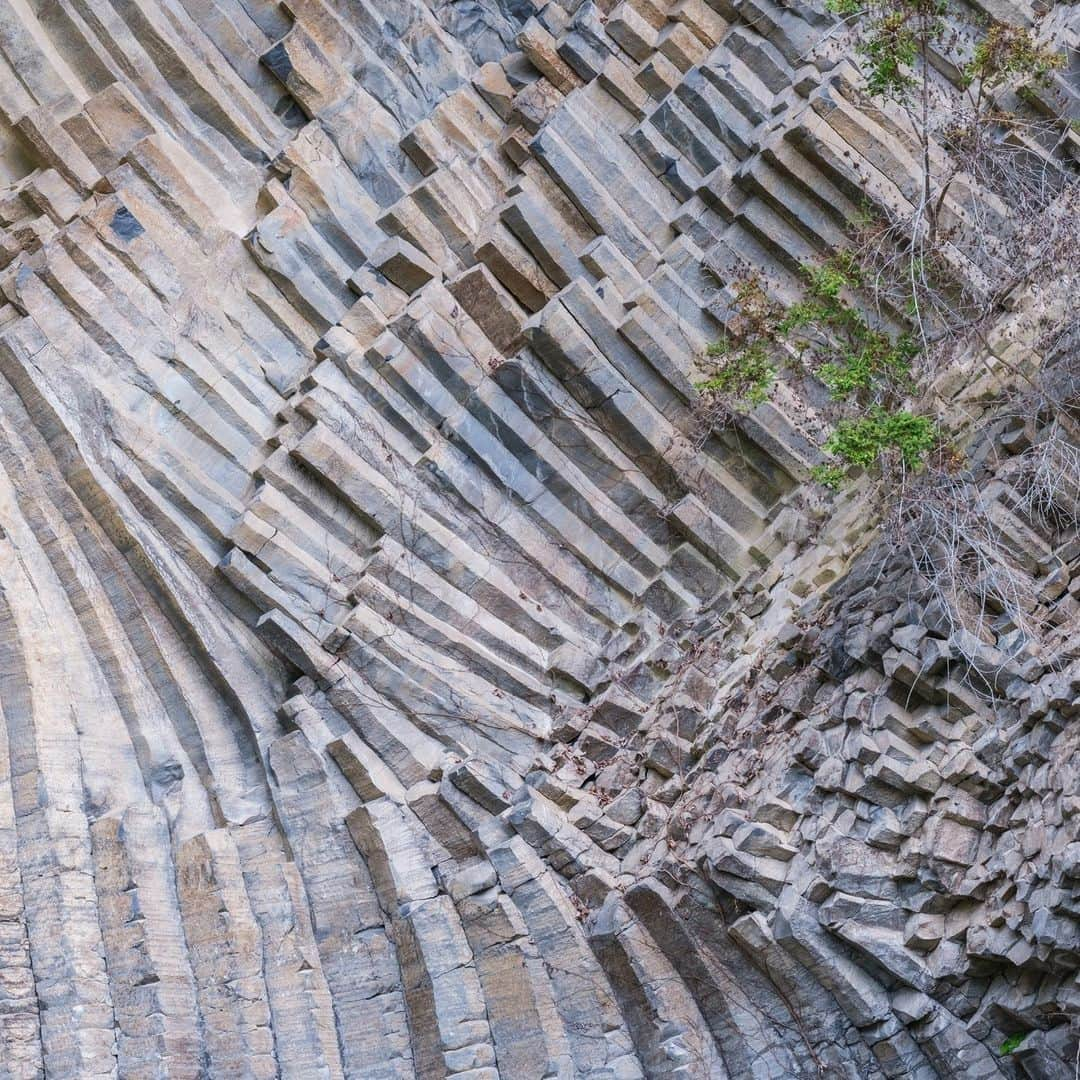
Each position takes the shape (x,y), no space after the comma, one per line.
(394,682)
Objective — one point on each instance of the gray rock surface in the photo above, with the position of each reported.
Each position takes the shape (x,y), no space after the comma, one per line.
(394,681)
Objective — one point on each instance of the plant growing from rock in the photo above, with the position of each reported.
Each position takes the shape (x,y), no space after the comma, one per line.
(994,211)
(993,208)
(900,41)
(865,368)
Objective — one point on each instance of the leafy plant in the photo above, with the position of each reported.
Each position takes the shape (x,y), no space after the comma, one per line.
(863,440)
(1007,52)
(850,357)
(745,365)
(899,39)
(1013,1042)
(745,374)
(866,369)
(949,268)
(989,216)
(930,271)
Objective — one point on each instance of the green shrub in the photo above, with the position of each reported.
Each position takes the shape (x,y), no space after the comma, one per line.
(861,441)
(1013,1042)
(744,375)
(866,370)
(746,360)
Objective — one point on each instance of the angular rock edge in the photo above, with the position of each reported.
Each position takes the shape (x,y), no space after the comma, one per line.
(395,679)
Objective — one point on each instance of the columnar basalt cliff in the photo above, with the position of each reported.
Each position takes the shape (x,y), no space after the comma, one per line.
(401,674)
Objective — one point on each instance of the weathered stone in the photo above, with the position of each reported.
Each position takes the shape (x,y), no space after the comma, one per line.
(405,670)
(403,264)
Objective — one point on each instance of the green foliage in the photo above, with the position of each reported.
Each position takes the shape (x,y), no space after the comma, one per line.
(1008,52)
(866,370)
(746,368)
(851,357)
(891,48)
(839,272)
(830,476)
(862,441)
(897,33)
(894,33)
(1013,1042)
(857,370)
(745,375)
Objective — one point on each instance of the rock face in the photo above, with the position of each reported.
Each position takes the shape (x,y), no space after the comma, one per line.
(394,679)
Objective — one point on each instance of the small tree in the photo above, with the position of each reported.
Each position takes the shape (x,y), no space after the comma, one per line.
(993,210)
(898,39)
(906,267)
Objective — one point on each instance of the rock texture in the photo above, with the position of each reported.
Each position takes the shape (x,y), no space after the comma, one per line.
(394,679)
